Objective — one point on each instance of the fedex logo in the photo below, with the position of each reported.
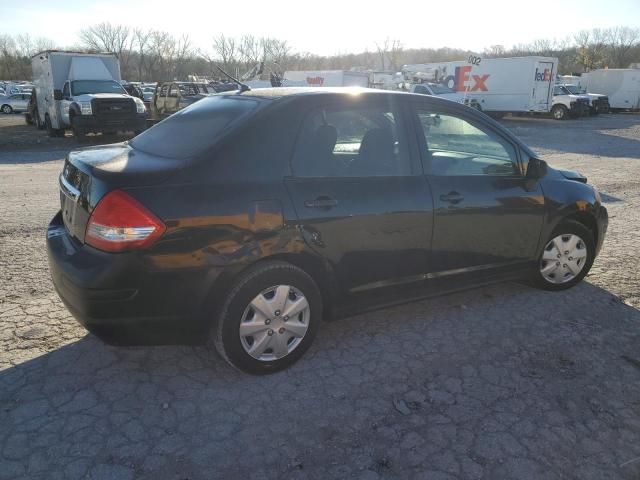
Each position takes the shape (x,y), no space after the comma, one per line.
(463,76)
(544,76)
(315,81)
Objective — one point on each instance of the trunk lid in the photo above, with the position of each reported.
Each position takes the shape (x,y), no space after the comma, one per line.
(89,174)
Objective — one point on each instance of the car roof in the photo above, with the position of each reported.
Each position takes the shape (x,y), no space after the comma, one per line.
(279,92)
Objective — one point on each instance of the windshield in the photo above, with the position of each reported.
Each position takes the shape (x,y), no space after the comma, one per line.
(194,129)
(440,89)
(82,87)
(574,89)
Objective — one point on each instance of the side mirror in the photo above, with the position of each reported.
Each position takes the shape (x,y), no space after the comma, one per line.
(57,94)
(536,168)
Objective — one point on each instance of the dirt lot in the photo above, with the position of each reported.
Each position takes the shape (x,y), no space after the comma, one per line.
(499,382)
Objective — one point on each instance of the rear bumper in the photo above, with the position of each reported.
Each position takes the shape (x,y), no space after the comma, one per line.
(121,298)
(92,123)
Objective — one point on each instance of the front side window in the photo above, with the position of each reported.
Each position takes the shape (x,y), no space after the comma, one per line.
(352,141)
(457,147)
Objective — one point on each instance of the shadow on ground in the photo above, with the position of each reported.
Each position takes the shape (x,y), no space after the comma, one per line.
(499,382)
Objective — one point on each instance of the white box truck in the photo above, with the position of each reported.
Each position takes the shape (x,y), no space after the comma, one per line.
(327,78)
(499,85)
(83,92)
(621,85)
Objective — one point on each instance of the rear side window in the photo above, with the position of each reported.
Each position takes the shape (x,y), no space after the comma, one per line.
(352,141)
(194,129)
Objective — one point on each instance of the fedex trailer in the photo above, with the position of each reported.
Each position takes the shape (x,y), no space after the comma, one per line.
(621,85)
(327,78)
(499,85)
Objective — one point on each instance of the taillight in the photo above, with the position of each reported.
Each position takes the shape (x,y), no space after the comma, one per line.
(119,222)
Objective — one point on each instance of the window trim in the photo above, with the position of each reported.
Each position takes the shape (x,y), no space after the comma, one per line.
(423,146)
(398,107)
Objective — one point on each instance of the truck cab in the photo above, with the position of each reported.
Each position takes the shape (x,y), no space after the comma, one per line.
(100,106)
(566,104)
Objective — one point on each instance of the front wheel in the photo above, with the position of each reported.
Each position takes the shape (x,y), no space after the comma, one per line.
(559,112)
(269,318)
(6,109)
(566,258)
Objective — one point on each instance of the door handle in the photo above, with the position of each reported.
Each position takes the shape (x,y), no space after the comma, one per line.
(321,202)
(452,197)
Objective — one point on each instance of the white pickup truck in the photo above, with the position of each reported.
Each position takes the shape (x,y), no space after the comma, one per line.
(566,104)
(598,103)
(82,92)
(438,90)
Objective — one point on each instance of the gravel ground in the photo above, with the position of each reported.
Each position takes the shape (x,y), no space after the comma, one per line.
(498,382)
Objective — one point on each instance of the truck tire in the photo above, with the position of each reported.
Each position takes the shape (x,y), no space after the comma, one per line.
(52,132)
(39,124)
(559,112)
(78,133)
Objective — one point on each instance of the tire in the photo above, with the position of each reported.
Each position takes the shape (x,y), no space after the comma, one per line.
(261,285)
(559,112)
(28,119)
(78,133)
(6,109)
(567,230)
(52,132)
(39,124)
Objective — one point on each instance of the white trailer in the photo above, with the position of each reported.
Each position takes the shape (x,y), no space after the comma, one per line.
(502,85)
(327,78)
(83,92)
(621,85)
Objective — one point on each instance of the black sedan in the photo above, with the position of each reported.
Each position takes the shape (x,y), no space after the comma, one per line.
(248,217)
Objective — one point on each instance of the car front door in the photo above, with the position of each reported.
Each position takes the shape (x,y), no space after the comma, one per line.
(488,215)
(359,193)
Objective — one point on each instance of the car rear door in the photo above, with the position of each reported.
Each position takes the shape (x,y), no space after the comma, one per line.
(359,193)
(487,214)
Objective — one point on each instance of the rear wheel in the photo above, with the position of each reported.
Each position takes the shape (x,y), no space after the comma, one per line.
(559,112)
(269,318)
(78,133)
(6,109)
(52,132)
(566,258)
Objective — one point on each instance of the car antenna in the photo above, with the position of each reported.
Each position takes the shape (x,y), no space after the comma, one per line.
(243,86)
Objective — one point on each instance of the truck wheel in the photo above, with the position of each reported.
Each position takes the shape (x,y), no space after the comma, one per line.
(6,109)
(559,112)
(52,132)
(78,133)
(39,124)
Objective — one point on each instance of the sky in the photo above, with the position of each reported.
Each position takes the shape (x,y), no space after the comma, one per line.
(328,27)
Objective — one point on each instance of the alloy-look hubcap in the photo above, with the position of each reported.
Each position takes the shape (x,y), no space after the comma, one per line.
(563,258)
(274,323)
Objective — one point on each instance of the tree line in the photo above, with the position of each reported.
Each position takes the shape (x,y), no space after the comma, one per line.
(153,55)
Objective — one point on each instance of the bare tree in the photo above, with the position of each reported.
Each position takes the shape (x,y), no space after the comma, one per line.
(622,40)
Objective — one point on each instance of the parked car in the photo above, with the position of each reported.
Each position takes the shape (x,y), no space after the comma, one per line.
(169,97)
(17,102)
(147,93)
(247,217)
(442,91)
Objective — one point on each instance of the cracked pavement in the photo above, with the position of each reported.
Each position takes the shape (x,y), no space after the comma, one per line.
(493,383)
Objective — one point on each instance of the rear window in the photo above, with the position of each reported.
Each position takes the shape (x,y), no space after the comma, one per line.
(194,129)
